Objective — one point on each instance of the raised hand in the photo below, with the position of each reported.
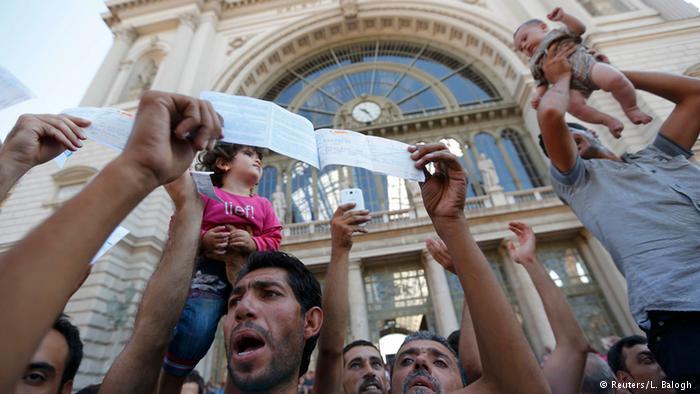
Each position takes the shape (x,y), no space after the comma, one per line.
(168,131)
(524,252)
(438,250)
(183,190)
(556,62)
(556,15)
(36,139)
(345,223)
(444,191)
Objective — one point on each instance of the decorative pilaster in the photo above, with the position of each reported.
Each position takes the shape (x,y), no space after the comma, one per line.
(359,326)
(106,76)
(445,315)
(176,59)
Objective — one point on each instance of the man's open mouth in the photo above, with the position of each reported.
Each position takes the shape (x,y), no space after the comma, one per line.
(246,342)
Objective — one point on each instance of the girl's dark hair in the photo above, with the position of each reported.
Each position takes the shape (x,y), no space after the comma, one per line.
(206,161)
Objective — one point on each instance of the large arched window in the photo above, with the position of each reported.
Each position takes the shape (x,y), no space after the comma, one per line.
(403,79)
(522,162)
(486,145)
(268,182)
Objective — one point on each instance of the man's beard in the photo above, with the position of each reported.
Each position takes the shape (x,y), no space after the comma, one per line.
(421,372)
(283,367)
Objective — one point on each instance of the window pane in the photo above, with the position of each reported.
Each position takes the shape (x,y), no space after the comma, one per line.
(302,193)
(268,182)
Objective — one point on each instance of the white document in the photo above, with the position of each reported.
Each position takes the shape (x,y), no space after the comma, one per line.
(202,180)
(116,236)
(109,126)
(254,122)
(12,91)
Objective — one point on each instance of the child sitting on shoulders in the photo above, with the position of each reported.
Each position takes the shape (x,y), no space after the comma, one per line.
(533,38)
(233,226)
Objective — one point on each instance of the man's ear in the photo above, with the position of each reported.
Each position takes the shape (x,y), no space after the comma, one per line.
(67,387)
(313,322)
(623,377)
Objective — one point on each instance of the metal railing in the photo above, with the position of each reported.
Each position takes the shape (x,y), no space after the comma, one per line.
(472,204)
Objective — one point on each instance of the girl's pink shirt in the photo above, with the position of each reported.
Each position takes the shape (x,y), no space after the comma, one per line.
(253,214)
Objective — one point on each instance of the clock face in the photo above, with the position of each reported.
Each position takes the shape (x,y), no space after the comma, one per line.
(366,111)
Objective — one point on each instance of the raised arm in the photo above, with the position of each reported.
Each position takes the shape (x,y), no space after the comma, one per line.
(329,364)
(683,124)
(468,347)
(506,358)
(34,140)
(552,109)
(564,367)
(571,22)
(56,253)
(137,368)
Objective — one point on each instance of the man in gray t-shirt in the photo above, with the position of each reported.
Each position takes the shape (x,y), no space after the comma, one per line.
(644,208)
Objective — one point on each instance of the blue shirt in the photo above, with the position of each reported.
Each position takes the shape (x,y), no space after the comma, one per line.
(645,210)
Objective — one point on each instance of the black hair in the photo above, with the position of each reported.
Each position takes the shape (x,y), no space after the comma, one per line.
(431,336)
(572,125)
(533,21)
(359,342)
(453,340)
(616,360)
(305,286)
(91,389)
(596,371)
(206,161)
(75,346)
(195,377)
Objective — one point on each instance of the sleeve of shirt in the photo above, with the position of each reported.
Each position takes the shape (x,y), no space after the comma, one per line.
(271,235)
(670,147)
(565,184)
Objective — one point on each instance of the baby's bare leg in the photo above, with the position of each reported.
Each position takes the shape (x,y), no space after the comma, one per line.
(614,81)
(581,110)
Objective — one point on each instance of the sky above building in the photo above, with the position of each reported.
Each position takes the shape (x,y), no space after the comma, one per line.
(55,48)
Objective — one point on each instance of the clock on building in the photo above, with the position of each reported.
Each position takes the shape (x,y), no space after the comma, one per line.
(366,111)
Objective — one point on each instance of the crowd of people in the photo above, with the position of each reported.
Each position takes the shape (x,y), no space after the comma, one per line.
(222,257)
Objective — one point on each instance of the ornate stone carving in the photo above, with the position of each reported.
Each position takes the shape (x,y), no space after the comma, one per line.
(349,8)
(279,203)
(125,33)
(189,19)
(489,175)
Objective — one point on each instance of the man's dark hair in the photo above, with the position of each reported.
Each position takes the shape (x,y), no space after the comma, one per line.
(597,371)
(431,336)
(530,22)
(91,389)
(616,360)
(305,286)
(195,377)
(453,340)
(359,342)
(75,346)
(572,125)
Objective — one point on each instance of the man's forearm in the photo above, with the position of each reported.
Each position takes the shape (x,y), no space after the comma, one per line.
(10,173)
(55,255)
(138,366)
(565,327)
(335,306)
(502,345)
(468,346)
(556,97)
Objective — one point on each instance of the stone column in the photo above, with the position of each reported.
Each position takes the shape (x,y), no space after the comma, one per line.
(534,316)
(194,75)
(445,315)
(610,280)
(359,325)
(119,83)
(176,59)
(107,73)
